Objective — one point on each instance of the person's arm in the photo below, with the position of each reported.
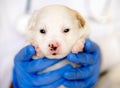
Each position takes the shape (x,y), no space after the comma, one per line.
(87,75)
(107,44)
(25,72)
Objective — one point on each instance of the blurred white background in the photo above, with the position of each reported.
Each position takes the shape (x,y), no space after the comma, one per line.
(103,17)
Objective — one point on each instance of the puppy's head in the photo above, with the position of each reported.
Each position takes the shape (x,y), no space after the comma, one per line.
(55,29)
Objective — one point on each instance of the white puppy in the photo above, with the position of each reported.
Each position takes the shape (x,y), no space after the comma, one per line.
(55,31)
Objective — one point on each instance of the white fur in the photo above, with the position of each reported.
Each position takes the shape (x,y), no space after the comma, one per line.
(54,19)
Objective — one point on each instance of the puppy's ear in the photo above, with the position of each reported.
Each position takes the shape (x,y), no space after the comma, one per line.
(82,24)
(33,20)
(31,25)
(81,20)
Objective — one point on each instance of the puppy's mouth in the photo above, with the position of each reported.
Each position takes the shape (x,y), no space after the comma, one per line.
(54,54)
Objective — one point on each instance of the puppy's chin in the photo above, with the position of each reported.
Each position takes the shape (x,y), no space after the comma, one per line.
(57,56)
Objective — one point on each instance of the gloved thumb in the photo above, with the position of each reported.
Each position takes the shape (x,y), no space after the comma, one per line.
(25,54)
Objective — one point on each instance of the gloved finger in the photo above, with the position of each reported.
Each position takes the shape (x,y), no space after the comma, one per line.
(56,84)
(89,56)
(92,81)
(91,47)
(79,73)
(39,64)
(87,83)
(82,58)
(14,79)
(25,54)
(74,84)
(50,77)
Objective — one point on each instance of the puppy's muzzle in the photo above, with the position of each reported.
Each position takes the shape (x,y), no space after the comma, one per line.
(54,48)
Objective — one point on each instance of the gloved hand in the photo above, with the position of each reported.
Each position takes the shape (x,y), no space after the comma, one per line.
(26,69)
(87,75)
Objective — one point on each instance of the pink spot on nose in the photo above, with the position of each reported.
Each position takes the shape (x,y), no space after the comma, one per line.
(54,47)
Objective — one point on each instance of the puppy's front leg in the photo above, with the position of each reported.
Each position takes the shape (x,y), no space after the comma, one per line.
(38,52)
(78,47)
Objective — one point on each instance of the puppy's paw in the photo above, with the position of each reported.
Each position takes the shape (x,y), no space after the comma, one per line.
(78,47)
(38,52)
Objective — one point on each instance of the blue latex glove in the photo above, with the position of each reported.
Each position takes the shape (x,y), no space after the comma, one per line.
(26,69)
(87,75)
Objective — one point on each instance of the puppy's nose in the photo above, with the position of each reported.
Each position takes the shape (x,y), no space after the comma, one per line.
(54,46)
